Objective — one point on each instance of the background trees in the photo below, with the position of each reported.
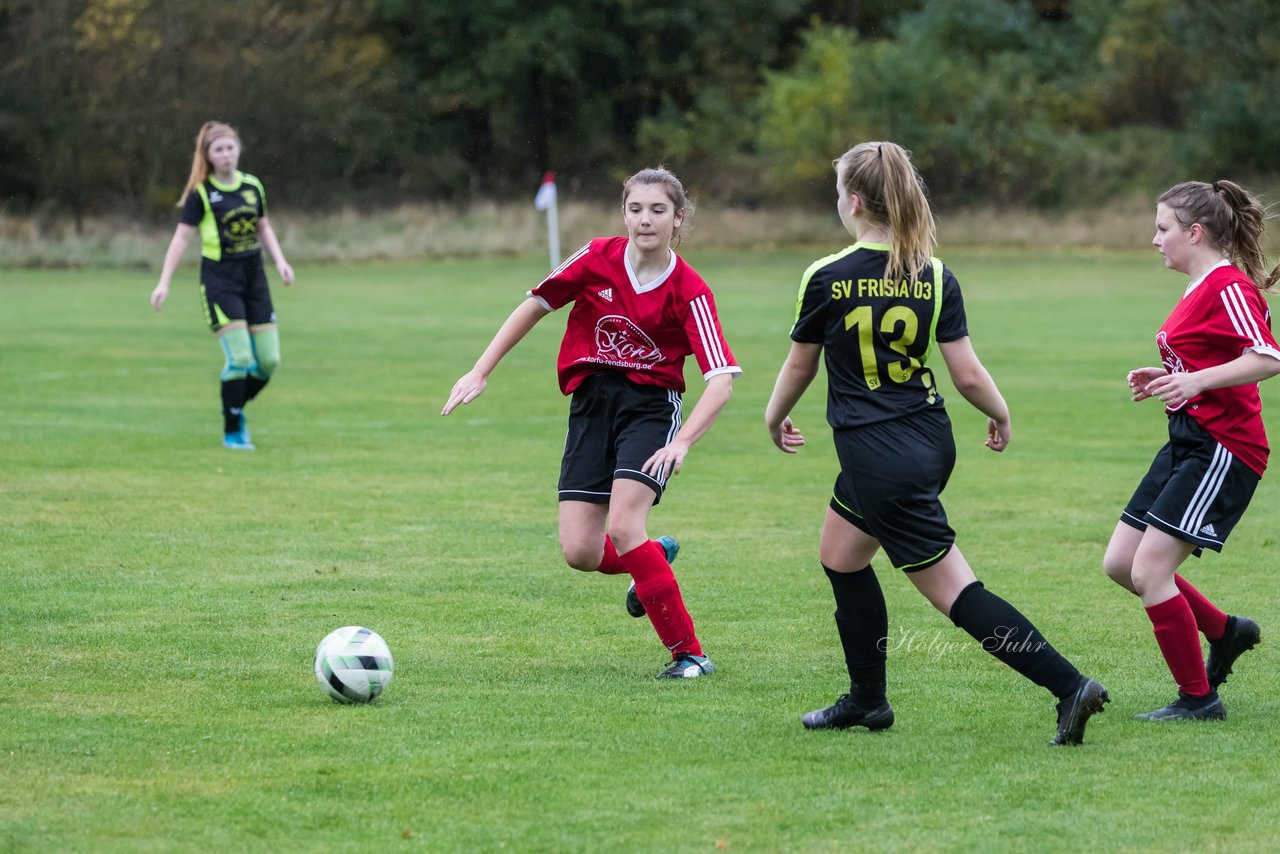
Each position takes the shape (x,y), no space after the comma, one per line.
(369,102)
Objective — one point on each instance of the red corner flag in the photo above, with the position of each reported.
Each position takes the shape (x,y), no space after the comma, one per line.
(546,193)
(546,201)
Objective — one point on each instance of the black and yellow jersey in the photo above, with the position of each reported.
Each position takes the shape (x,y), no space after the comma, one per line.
(877,333)
(227,216)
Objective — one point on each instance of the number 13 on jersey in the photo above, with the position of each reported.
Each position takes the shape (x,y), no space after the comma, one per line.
(899,327)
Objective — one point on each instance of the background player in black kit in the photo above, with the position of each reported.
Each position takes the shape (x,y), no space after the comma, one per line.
(877,307)
(229,208)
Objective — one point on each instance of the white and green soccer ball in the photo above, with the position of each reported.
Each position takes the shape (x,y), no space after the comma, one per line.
(353,664)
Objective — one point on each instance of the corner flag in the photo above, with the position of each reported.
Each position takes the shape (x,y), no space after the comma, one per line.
(546,201)
(546,193)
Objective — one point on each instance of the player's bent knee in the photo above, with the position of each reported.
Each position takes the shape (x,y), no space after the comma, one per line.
(627,530)
(582,559)
(266,352)
(1144,578)
(626,541)
(1117,570)
(238,352)
(264,368)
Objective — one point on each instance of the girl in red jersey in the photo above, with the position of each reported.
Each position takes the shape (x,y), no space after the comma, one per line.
(638,310)
(1216,346)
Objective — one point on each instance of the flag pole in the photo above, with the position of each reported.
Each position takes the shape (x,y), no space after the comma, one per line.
(546,201)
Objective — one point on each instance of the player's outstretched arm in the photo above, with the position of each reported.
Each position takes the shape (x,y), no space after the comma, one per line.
(472,384)
(797,372)
(976,386)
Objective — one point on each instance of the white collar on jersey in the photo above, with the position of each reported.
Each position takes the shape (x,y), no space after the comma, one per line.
(1191,287)
(631,273)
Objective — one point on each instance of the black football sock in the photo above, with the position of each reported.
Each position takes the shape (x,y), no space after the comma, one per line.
(863,623)
(253,385)
(1005,633)
(233,399)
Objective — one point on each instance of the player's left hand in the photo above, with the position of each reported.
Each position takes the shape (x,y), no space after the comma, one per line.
(1175,389)
(285,271)
(666,461)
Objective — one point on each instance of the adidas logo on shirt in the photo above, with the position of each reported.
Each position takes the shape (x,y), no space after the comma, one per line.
(1208,529)
(607,294)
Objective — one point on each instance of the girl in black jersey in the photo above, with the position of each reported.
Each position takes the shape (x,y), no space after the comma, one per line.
(877,308)
(229,208)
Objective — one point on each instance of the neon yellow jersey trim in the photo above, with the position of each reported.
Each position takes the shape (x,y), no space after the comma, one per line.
(210,241)
(813,268)
(937,309)
(237,180)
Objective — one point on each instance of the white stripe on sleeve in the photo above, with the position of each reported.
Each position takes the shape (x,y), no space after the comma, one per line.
(567,262)
(1241,318)
(709,333)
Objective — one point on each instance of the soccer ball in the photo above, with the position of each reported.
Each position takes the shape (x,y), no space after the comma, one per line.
(353,664)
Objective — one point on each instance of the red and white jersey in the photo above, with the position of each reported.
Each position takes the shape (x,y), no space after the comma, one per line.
(644,331)
(1220,318)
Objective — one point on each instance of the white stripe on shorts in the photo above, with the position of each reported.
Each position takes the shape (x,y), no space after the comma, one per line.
(1206,492)
(673,397)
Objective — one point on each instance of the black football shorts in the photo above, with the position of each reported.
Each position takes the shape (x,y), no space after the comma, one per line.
(235,289)
(615,425)
(1196,490)
(892,474)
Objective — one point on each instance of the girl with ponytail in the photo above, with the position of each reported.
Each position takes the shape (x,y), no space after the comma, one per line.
(638,310)
(229,208)
(1215,347)
(877,308)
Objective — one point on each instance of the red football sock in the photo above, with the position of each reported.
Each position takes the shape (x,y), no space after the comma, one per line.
(1210,620)
(660,594)
(610,564)
(1175,628)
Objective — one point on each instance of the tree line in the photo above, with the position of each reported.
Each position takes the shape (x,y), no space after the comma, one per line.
(373,102)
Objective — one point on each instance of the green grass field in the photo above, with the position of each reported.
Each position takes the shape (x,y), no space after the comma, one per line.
(161,598)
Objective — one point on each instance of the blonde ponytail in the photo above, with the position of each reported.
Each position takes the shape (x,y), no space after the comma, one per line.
(892,192)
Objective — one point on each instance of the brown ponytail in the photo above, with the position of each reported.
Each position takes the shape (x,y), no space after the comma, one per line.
(209,131)
(1233,220)
(893,193)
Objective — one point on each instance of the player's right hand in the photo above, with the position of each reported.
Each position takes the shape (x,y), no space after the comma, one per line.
(158,296)
(1140,378)
(998,434)
(465,390)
